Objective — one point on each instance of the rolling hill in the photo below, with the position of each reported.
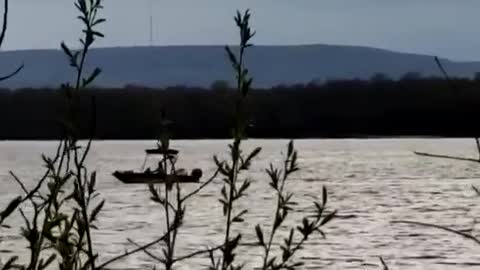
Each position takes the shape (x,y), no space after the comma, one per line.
(201,65)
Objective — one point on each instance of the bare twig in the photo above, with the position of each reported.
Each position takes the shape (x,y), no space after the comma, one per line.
(29,194)
(15,72)
(2,38)
(201,186)
(20,183)
(477,191)
(465,235)
(447,157)
(196,253)
(32,192)
(384,264)
(293,251)
(133,251)
(93,129)
(444,72)
(477,142)
(146,251)
(5,21)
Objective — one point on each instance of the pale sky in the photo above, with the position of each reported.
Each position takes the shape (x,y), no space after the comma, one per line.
(447,28)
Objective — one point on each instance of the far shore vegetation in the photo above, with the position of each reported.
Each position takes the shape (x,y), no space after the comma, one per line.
(413,106)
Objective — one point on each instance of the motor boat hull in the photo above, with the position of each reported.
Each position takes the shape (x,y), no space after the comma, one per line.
(131,177)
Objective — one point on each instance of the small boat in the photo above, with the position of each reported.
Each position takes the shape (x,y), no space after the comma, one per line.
(157,151)
(157,177)
(131,177)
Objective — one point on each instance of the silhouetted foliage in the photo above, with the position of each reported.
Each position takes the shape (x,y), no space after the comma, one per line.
(58,232)
(380,77)
(220,85)
(355,108)
(477,76)
(411,76)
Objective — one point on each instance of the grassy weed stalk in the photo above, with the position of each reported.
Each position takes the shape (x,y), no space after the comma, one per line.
(59,231)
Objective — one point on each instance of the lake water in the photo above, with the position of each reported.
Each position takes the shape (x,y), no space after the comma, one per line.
(370,183)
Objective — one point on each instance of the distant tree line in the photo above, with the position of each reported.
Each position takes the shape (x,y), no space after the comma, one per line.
(413,106)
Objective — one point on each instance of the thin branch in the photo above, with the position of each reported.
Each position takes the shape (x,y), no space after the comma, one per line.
(12,74)
(163,202)
(476,190)
(465,235)
(452,86)
(2,38)
(201,187)
(384,264)
(477,141)
(31,193)
(146,251)
(293,251)
(20,183)
(196,253)
(128,253)
(447,157)
(93,129)
(5,20)
(444,72)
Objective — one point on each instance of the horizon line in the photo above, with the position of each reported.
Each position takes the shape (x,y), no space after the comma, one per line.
(255,45)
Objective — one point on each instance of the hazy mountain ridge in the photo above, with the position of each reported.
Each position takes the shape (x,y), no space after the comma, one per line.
(201,65)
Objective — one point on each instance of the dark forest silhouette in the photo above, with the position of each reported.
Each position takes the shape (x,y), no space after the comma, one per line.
(379,107)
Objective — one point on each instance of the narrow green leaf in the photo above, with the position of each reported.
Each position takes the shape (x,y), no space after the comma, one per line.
(48,261)
(324,196)
(319,209)
(254,153)
(66,50)
(91,184)
(221,166)
(238,218)
(92,77)
(224,192)
(9,263)
(99,21)
(238,19)
(293,162)
(224,206)
(476,190)
(244,187)
(232,57)
(259,232)
(98,34)
(290,237)
(96,210)
(286,254)
(271,262)
(328,218)
(83,19)
(297,264)
(88,263)
(321,233)
(10,208)
(290,148)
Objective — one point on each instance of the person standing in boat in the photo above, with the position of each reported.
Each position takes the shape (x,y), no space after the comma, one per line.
(160,169)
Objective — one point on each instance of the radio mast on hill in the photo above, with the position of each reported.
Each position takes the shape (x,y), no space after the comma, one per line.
(151,22)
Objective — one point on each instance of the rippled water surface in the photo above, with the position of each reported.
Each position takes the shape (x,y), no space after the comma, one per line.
(370,182)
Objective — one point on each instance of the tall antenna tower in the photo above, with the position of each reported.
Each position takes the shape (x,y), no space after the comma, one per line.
(150,9)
